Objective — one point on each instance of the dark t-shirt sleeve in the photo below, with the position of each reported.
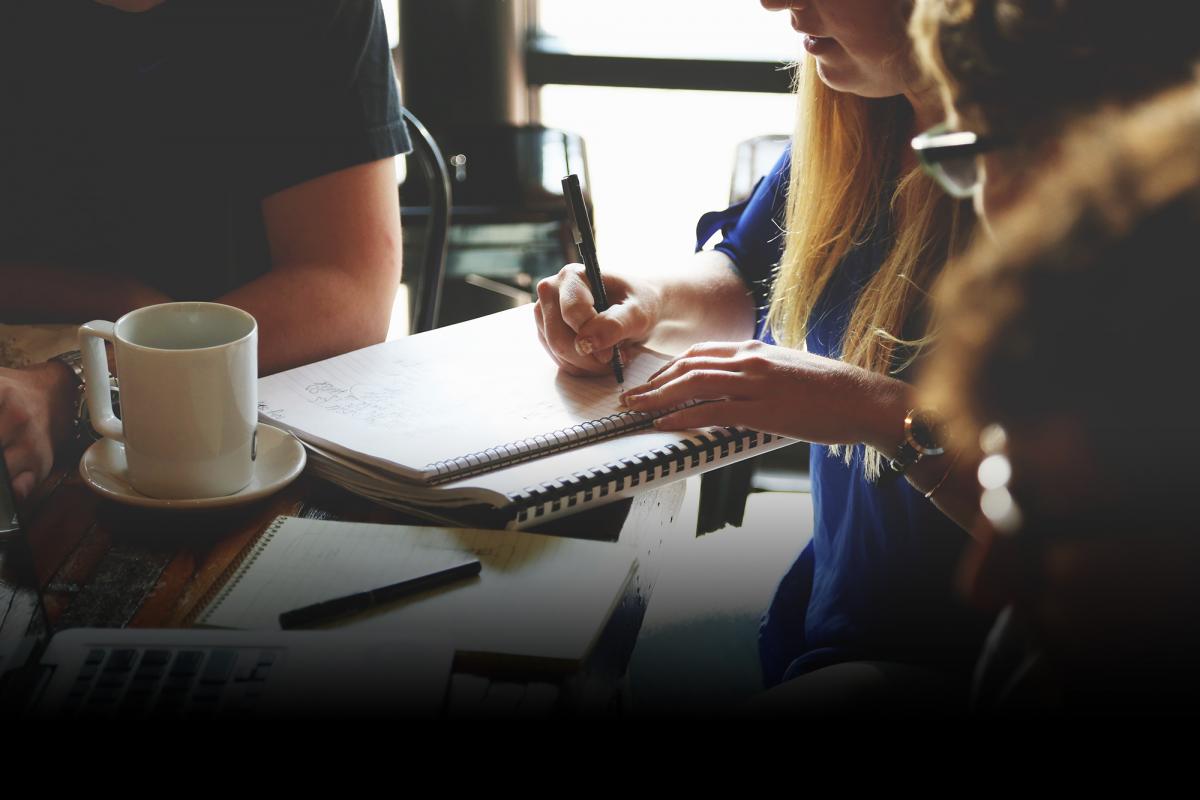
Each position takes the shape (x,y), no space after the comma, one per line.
(752,230)
(336,104)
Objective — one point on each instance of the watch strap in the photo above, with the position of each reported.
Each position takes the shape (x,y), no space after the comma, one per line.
(73,360)
(906,456)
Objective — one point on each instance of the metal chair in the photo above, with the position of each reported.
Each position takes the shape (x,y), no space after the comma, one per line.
(427,288)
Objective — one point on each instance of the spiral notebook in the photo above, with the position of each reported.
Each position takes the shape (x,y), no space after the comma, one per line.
(537,597)
(478,414)
(298,562)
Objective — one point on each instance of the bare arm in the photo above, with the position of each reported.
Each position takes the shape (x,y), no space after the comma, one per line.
(335,253)
(46,293)
(795,393)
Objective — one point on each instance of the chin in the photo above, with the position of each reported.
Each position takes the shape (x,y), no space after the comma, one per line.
(845,80)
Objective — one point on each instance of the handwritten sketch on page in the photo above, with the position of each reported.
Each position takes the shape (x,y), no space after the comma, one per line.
(457,391)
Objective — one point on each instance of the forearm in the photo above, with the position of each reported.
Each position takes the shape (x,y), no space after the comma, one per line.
(950,477)
(45,293)
(309,312)
(702,300)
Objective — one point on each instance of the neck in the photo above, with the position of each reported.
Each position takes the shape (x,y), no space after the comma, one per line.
(927,108)
(927,111)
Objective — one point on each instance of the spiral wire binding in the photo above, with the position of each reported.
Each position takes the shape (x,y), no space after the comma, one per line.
(537,446)
(646,467)
(233,574)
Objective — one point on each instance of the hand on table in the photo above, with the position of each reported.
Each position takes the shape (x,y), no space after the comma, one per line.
(579,339)
(35,416)
(776,390)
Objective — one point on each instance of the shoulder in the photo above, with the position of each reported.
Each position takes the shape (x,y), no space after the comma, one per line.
(349,19)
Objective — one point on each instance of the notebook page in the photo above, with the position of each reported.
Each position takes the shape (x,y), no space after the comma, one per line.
(537,596)
(308,561)
(438,396)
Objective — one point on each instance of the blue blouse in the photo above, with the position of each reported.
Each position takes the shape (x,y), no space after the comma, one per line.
(876,581)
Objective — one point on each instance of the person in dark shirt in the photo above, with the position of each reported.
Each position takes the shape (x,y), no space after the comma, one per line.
(239,151)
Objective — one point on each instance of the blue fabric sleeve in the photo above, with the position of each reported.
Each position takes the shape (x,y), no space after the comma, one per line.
(752,230)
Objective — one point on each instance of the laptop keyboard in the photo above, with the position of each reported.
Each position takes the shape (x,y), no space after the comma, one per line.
(193,683)
(159,682)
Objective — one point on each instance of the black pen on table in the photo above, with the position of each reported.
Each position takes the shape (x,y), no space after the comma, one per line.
(581,231)
(361,601)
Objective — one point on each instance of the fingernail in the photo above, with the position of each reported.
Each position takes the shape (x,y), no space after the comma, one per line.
(584,346)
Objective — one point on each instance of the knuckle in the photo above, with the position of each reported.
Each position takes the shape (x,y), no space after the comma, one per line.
(756,362)
(546,289)
(604,329)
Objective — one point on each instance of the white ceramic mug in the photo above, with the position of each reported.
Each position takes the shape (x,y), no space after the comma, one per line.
(189,396)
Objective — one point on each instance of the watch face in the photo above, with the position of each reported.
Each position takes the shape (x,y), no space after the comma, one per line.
(925,433)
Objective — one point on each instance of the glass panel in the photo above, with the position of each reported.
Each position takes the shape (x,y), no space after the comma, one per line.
(733,29)
(658,159)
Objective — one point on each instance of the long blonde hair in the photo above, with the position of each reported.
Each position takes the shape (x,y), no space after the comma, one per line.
(846,159)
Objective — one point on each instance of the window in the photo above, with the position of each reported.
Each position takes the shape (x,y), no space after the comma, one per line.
(659,157)
(697,29)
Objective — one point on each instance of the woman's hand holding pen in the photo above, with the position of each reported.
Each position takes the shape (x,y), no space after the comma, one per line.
(580,339)
(776,390)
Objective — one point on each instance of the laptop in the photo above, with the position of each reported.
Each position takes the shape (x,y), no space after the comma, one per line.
(133,674)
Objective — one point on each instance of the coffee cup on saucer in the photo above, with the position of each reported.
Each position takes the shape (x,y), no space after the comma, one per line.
(189,396)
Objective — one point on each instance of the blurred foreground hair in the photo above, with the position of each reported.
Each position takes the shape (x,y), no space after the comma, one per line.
(1082,315)
(1020,69)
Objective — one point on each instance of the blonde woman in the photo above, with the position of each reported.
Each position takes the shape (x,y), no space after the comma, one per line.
(843,289)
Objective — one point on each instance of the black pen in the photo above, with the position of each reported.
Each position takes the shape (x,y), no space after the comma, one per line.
(352,603)
(581,230)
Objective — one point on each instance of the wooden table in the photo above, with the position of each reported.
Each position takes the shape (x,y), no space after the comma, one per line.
(99,564)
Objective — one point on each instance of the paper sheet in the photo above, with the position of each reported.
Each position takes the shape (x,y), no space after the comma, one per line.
(453,392)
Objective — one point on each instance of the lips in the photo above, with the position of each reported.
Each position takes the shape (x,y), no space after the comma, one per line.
(818,44)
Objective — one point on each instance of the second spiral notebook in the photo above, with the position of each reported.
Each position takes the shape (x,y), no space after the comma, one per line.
(478,414)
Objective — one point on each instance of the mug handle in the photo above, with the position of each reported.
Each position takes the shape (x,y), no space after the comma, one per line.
(95,378)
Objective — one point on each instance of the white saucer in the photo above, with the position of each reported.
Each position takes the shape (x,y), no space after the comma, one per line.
(280,461)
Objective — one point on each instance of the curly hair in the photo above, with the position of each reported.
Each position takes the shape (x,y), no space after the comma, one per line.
(1087,315)
(1020,68)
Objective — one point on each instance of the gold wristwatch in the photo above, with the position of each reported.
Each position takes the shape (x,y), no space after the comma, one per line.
(922,437)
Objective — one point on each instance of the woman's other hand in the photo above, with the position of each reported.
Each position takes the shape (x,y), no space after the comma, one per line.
(776,390)
(578,338)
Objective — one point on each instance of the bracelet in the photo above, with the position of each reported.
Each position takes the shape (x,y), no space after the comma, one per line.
(945,475)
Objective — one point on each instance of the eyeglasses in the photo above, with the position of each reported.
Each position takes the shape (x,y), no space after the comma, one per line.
(949,157)
(995,473)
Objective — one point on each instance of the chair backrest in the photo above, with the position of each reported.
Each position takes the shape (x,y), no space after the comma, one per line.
(753,160)
(427,287)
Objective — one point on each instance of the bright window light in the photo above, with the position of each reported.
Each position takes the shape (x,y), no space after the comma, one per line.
(658,159)
(733,29)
